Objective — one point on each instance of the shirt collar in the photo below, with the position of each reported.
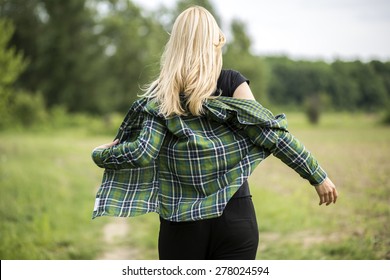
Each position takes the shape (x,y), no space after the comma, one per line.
(223,109)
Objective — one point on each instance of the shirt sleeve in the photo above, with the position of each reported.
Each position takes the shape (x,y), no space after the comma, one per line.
(289,150)
(229,81)
(138,153)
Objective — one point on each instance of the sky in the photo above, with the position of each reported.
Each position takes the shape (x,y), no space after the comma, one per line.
(308,29)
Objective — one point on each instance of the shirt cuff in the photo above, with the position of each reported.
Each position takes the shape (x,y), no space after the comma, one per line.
(97,157)
(318,177)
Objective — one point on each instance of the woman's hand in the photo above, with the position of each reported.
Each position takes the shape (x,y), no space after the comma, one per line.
(327,192)
(107,145)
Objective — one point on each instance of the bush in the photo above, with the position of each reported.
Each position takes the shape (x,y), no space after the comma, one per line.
(386,118)
(315,105)
(313,109)
(28,109)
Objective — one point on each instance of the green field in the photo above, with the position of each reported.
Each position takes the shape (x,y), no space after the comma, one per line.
(48,183)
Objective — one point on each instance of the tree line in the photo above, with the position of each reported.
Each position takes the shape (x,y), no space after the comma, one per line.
(94,56)
(342,85)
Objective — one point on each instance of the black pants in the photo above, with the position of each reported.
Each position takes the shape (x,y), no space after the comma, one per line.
(233,236)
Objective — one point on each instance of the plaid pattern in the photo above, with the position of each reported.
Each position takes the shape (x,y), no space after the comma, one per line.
(187,168)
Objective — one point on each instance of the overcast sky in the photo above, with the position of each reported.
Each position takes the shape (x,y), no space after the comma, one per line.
(324,29)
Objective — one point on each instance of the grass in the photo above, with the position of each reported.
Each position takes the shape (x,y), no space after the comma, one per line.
(355,153)
(47,186)
(48,183)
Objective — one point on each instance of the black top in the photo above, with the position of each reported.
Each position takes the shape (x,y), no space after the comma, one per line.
(228,82)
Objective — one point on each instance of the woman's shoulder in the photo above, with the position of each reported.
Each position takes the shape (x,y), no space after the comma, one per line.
(232,76)
(229,72)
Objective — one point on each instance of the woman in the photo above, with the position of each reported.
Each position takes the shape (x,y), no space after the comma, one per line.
(187,147)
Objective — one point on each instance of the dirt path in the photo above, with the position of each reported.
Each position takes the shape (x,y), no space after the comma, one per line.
(115,234)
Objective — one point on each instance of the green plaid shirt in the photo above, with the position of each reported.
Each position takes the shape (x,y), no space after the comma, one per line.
(187,168)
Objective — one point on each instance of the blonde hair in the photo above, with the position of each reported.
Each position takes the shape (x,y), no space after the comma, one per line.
(190,65)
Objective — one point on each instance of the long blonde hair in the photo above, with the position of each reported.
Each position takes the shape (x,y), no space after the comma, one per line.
(190,65)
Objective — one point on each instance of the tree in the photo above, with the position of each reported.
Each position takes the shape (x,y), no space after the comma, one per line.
(343,88)
(372,89)
(12,65)
(181,5)
(133,45)
(238,56)
(71,58)
(26,17)
(57,38)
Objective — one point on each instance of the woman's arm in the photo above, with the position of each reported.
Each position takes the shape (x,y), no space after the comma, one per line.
(287,148)
(138,153)
(243,91)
